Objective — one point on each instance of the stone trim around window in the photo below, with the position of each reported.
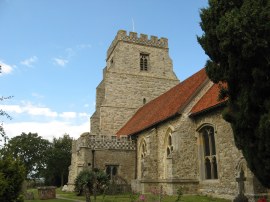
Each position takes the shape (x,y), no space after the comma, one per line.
(207,153)
(144,61)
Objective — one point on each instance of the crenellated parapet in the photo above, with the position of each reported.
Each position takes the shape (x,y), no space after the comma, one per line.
(142,40)
(104,142)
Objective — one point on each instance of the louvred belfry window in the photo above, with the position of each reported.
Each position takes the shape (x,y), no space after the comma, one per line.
(144,60)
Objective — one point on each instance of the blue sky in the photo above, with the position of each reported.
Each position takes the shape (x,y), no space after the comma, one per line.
(52,53)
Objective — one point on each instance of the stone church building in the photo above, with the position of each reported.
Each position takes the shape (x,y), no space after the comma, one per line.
(150,130)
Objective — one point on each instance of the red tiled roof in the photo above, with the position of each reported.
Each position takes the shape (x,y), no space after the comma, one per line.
(165,106)
(208,100)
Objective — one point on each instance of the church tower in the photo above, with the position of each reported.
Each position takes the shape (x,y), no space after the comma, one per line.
(138,69)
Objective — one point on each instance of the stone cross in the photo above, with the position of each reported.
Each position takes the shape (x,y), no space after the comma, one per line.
(241,185)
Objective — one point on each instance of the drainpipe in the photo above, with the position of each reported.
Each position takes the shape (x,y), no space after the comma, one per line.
(93,159)
(136,159)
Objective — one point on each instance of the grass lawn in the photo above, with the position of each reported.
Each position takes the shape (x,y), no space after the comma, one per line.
(124,198)
(51,200)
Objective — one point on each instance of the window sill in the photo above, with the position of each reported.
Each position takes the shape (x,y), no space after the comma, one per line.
(210,181)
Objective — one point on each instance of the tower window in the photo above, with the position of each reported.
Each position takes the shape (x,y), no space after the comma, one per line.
(144,60)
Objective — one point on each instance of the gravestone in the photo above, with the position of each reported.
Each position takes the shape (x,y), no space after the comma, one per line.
(65,188)
(241,187)
(46,192)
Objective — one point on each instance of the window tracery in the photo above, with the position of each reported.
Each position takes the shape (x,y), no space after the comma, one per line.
(144,60)
(169,144)
(209,152)
(143,149)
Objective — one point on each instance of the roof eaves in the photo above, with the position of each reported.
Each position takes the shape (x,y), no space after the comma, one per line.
(208,109)
(154,124)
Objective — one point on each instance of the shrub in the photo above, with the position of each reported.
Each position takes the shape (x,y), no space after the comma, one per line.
(12,175)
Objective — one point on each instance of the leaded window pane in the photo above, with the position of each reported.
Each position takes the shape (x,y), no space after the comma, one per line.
(170,140)
(206,144)
(168,151)
(144,60)
(209,149)
(214,166)
(213,144)
(141,64)
(207,169)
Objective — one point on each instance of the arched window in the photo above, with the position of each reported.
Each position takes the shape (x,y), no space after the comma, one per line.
(169,148)
(144,60)
(141,159)
(209,152)
(143,149)
(169,143)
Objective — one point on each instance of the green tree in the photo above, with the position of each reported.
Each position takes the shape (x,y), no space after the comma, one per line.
(90,181)
(3,136)
(31,149)
(237,40)
(11,178)
(58,161)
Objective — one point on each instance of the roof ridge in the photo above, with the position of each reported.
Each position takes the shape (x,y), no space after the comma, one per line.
(208,101)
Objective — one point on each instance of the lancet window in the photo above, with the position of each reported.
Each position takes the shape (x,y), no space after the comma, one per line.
(169,148)
(143,150)
(209,152)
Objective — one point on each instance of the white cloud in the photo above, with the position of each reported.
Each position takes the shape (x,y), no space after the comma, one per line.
(47,130)
(59,61)
(37,95)
(68,115)
(29,61)
(83,46)
(29,109)
(12,108)
(70,52)
(83,115)
(40,111)
(71,123)
(5,68)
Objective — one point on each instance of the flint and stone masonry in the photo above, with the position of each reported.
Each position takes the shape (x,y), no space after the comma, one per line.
(124,89)
(138,70)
